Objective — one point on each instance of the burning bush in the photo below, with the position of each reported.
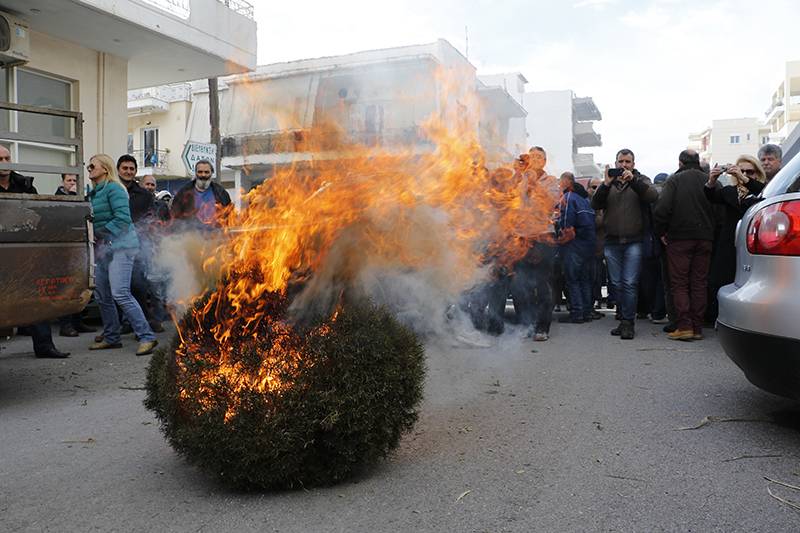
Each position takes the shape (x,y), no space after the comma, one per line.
(287,406)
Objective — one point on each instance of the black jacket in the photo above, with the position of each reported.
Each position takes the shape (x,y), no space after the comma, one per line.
(141,201)
(683,212)
(183,203)
(20,184)
(723,263)
(63,192)
(623,205)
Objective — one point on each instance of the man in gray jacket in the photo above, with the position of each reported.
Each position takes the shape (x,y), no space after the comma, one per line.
(623,196)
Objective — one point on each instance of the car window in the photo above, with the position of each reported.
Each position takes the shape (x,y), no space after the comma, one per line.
(785,181)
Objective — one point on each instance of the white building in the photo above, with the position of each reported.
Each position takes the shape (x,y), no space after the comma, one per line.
(274,116)
(157,121)
(562,124)
(514,84)
(783,114)
(84,55)
(727,139)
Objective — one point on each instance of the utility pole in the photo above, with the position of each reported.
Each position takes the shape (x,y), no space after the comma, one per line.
(213,115)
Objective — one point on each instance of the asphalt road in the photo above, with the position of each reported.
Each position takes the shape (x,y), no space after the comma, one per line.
(576,434)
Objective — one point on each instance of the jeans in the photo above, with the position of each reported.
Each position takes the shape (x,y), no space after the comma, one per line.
(624,265)
(532,290)
(578,273)
(689,261)
(42,337)
(113,280)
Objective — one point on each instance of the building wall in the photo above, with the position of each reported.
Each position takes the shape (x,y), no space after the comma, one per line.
(550,126)
(99,91)
(722,148)
(171,133)
(514,84)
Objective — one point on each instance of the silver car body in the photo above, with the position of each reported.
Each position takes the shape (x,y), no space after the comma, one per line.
(759,314)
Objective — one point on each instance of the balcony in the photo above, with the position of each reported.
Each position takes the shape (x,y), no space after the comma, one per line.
(240,7)
(305,141)
(585,166)
(164,41)
(585,136)
(584,109)
(152,161)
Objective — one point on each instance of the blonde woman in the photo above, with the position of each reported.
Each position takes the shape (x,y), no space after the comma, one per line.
(116,246)
(748,180)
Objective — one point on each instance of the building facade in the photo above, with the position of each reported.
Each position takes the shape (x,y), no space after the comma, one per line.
(727,139)
(290,113)
(84,55)
(514,84)
(563,124)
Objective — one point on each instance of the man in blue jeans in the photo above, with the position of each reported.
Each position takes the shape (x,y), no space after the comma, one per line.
(577,242)
(623,196)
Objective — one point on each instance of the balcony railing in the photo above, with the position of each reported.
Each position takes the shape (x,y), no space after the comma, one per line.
(239,6)
(317,141)
(168,93)
(155,159)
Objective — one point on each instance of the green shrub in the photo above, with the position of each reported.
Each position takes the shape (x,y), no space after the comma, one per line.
(343,404)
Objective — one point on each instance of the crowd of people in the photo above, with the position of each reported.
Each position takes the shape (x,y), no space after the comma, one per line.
(128,216)
(661,249)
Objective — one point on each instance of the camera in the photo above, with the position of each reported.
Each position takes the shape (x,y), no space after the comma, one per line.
(616,172)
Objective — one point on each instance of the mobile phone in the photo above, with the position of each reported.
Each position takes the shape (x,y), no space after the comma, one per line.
(616,172)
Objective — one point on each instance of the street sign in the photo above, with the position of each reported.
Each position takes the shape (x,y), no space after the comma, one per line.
(194,152)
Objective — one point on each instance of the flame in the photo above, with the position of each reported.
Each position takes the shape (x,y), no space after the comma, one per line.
(318,224)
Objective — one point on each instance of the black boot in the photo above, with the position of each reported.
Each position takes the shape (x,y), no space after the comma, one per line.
(626,330)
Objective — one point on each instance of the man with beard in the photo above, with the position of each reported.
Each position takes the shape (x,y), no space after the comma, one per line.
(200,200)
(623,196)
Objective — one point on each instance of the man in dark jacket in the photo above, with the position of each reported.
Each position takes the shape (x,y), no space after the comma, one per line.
(623,198)
(577,241)
(200,200)
(684,221)
(12,182)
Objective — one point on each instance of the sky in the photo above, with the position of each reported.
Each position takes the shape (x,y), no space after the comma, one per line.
(658,70)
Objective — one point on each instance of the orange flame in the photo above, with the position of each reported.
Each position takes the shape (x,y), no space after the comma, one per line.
(322,222)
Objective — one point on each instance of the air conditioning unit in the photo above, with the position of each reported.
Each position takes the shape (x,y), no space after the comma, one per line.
(15,41)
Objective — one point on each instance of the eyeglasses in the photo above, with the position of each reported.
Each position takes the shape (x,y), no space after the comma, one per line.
(749,171)
(90,167)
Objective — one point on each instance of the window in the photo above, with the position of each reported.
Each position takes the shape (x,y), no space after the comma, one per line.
(748,137)
(21,86)
(765,140)
(735,139)
(150,147)
(130,143)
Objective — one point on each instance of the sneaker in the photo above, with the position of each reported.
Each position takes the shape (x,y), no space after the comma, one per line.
(663,320)
(681,335)
(541,336)
(103,345)
(626,330)
(670,327)
(146,348)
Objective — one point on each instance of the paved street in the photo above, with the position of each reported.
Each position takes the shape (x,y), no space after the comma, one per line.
(577,434)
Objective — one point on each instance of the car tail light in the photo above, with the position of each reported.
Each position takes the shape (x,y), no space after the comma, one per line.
(775,230)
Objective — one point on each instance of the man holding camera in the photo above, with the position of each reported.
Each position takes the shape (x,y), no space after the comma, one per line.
(623,196)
